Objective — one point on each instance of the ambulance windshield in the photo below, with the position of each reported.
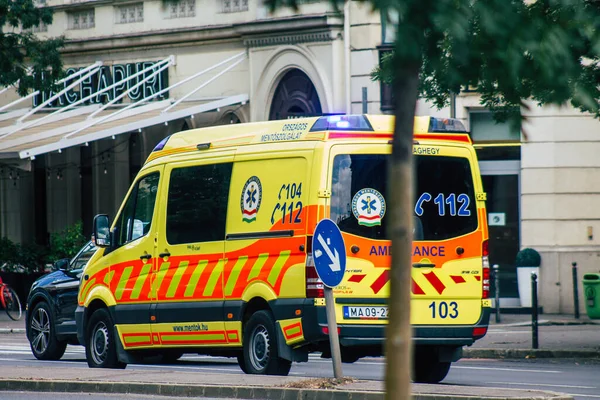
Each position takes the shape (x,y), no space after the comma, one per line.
(444,204)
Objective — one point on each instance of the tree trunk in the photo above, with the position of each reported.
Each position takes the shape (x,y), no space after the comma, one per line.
(400,219)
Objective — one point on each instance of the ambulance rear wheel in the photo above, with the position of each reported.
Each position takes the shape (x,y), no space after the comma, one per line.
(260,351)
(100,344)
(430,370)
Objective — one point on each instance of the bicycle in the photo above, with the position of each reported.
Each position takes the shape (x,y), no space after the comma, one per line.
(10,301)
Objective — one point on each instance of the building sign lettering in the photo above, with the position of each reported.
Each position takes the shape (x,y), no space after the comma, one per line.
(105,77)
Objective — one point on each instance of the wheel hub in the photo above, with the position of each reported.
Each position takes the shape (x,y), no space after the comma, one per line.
(259,348)
(99,343)
(40,330)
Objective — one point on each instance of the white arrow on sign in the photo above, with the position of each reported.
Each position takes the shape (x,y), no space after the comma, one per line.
(335,259)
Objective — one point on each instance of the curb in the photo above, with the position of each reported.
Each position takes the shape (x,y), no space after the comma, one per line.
(11,330)
(178,390)
(529,353)
(265,393)
(543,323)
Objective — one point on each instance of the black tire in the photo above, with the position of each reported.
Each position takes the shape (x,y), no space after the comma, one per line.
(428,368)
(260,351)
(349,357)
(170,356)
(100,343)
(41,334)
(12,303)
(242,362)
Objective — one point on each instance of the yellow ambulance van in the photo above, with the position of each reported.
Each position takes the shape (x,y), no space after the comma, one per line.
(211,253)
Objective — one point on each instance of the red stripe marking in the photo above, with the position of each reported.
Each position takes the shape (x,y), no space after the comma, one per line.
(435,282)
(457,278)
(381,281)
(232,337)
(425,136)
(146,343)
(368,218)
(293,335)
(356,278)
(355,135)
(445,136)
(416,289)
(193,341)
(478,277)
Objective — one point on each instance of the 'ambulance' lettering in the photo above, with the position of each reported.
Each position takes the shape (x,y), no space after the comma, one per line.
(381,251)
(422,251)
(433,251)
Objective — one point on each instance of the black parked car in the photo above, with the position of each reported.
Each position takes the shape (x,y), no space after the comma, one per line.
(51,304)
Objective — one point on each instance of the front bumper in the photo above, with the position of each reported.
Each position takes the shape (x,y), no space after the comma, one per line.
(80,323)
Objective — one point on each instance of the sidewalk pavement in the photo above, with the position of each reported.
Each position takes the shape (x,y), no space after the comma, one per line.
(234,386)
(559,336)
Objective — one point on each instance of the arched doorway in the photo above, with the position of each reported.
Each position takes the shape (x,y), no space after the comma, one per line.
(295,96)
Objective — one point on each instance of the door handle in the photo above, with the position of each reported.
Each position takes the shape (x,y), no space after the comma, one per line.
(145,256)
(165,254)
(423,265)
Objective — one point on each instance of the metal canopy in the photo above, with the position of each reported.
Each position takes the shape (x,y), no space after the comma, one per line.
(28,132)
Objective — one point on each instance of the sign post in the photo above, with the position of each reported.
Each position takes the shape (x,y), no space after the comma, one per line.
(329,254)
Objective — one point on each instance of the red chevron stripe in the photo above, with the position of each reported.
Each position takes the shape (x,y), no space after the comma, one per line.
(381,281)
(356,278)
(457,278)
(416,289)
(435,282)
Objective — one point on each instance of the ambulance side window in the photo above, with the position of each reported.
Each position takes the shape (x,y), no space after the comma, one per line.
(197,203)
(136,219)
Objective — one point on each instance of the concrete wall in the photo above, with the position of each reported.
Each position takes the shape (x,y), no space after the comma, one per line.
(365,36)
(560,193)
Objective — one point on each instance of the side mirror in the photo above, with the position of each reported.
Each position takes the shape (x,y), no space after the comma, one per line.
(101,236)
(62,264)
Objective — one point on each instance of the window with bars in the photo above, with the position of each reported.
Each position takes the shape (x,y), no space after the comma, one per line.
(82,19)
(130,13)
(231,6)
(180,8)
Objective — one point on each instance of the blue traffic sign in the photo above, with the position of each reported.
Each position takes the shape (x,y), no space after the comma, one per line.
(329,253)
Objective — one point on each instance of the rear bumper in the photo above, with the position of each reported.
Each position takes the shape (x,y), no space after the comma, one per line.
(374,335)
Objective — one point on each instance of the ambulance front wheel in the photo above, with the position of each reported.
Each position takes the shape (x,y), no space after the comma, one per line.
(100,345)
(260,351)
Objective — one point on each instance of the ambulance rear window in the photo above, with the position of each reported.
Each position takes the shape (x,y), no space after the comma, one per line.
(444,204)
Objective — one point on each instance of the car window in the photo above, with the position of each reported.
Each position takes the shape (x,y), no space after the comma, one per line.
(444,201)
(136,218)
(84,255)
(197,205)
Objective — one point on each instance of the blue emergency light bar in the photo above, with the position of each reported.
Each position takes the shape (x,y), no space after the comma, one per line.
(342,123)
(446,125)
(161,144)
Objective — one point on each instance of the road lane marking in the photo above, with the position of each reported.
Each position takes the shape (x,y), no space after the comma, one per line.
(543,384)
(507,369)
(584,395)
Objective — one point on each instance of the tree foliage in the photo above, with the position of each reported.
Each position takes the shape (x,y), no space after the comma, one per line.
(24,58)
(511,50)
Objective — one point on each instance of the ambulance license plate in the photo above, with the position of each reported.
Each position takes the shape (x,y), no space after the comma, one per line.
(363,312)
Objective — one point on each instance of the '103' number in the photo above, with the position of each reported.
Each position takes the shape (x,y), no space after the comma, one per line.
(443,309)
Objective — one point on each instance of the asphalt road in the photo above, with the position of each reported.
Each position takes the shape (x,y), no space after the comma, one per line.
(576,377)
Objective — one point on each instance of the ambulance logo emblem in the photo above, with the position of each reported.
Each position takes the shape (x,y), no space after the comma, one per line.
(368,207)
(251,198)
